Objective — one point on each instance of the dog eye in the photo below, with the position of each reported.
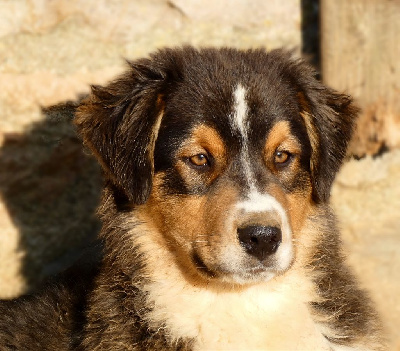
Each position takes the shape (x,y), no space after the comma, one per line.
(200,160)
(281,158)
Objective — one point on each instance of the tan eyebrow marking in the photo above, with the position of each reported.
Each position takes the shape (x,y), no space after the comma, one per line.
(280,135)
(203,139)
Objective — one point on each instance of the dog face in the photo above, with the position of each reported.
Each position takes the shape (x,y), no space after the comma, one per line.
(224,152)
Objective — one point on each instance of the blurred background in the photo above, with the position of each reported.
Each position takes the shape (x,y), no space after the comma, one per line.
(52,50)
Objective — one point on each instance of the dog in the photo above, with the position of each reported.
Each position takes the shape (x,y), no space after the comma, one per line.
(217,232)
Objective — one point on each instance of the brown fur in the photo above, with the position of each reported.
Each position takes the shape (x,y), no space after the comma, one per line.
(174,273)
(299,202)
(203,138)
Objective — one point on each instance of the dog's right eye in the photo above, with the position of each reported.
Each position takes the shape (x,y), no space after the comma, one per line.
(199,160)
(281,158)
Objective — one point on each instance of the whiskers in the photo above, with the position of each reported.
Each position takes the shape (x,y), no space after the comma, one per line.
(202,240)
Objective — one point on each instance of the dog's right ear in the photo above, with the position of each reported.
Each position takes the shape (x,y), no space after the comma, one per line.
(120,122)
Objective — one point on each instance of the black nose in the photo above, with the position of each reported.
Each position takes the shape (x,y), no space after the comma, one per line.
(260,241)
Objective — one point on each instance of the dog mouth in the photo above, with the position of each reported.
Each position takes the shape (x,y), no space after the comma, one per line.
(256,270)
(247,273)
(202,267)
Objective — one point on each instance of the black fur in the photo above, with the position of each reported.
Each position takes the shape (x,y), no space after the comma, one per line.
(104,307)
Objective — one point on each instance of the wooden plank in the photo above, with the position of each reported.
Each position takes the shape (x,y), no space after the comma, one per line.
(360,47)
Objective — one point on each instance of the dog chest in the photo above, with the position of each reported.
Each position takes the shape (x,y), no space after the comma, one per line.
(257,318)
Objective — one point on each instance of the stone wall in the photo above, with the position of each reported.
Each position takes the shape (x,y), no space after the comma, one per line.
(52,50)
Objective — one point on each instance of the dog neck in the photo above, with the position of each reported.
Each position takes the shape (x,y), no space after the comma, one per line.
(258,316)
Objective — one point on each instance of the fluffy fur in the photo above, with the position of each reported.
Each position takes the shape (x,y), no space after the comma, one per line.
(217,231)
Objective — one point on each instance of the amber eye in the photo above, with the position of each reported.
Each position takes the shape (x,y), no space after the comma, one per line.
(281,157)
(199,160)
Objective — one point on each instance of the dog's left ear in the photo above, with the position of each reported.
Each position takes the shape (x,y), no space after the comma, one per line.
(120,122)
(329,118)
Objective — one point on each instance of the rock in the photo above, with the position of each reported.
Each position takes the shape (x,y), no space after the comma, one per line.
(366,198)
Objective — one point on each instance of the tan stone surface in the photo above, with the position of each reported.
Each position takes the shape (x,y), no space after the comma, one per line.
(366,197)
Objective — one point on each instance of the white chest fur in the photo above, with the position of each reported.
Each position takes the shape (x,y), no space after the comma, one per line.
(261,317)
(272,315)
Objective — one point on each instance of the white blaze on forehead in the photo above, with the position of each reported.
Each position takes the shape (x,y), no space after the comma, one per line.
(240,123)
(240,110)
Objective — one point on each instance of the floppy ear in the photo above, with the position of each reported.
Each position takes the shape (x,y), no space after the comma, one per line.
(329,118)
(120,122)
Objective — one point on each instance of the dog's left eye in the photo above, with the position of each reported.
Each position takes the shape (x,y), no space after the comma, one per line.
(199,160)
(281,158)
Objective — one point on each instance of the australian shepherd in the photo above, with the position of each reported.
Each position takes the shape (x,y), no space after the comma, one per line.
(217,232)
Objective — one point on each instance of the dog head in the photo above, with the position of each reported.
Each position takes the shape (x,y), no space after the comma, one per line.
(224,150)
